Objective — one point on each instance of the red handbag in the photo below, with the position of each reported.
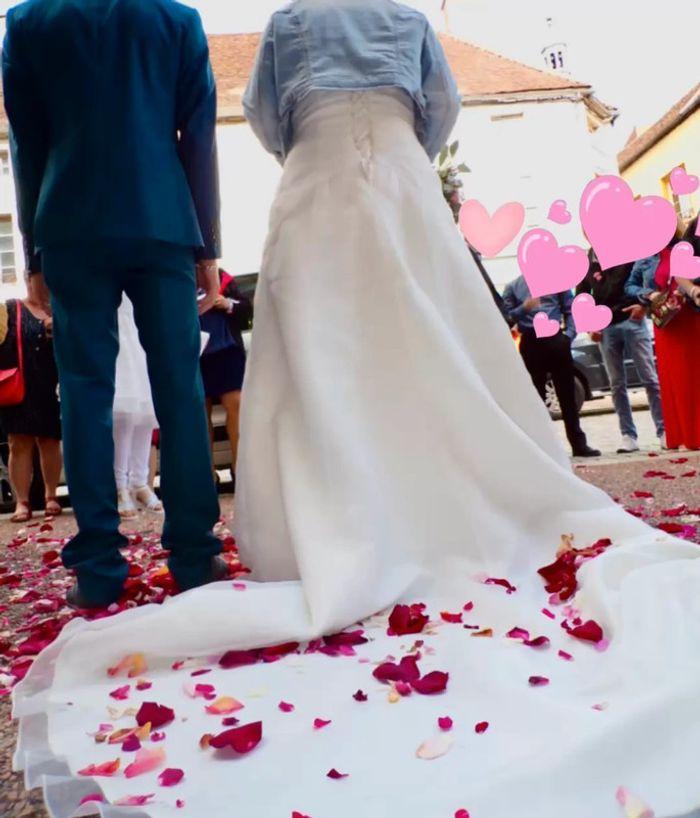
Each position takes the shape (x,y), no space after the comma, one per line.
(12,380)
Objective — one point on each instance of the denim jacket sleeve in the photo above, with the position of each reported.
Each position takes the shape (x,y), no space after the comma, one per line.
(641,283)
(261,100)
(28,130)
(442,99)
(514,310)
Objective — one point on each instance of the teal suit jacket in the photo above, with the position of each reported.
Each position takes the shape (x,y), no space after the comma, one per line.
(112,109)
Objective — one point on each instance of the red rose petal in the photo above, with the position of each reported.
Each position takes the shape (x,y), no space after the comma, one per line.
(335,775)
(407,619)
(567,657)
(481,727)
(461,813)
(121,693)
(453,618)
(360,696)
(503,583)
(445,723)
(538,681)
(170,777)
(319,724)
(97,797)
(155,714)
(239,658)
(432,683)
(588,632)
(131,744)
(240,739)
(285,707)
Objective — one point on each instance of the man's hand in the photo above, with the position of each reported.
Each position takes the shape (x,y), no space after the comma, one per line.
(636,312)
(596,337)
(532,304)
(222,303)
(208,280)
(38,292)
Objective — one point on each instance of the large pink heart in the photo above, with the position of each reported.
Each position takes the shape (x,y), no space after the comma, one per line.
(684,264)
(490,234)
(682,183)
(589,316)
(622,229)
(547,267)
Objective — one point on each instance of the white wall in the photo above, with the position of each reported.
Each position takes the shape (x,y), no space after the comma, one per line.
(544,155)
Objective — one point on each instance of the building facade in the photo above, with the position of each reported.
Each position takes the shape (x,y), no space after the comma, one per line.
(527,135)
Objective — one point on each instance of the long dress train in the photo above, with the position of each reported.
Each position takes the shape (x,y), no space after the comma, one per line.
(393,449)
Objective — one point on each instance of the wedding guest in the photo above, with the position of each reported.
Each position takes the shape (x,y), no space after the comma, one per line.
(650,283)
(224,358)
(134,421)
(36,421)
(545,357)
(627,335)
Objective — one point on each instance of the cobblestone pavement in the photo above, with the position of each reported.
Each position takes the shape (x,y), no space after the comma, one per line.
(620,477)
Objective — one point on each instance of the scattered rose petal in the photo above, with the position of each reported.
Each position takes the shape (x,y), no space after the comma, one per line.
(106,769)
(538,681)
(142,685)
(179,803)
(230,722)
(481,727)
(239,658)
(240,739)
(145,762)
(224,706)
(157,714)
(131,744)
(133,665)
(319,724)
(453,618)
(588,632)
(121,693)
(170,777)
(469,607)
(435,747)
(335,775)
(406,619)
(96,797)
(286,707)
(503,583)
(600,707)
(487,633)
(134,801)
(445,723)
(633,806)
(360,696)
(567,657)
(406,671)
(548,613)
(432,683)
(461,813)
(157,736)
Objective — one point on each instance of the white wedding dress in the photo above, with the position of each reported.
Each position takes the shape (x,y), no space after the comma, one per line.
(393,449)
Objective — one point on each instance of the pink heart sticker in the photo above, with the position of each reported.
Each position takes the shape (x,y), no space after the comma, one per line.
(684,264)
(589,316)
(545,327)
(682,183)
(620,228)
(559,213)
(490,234)
(548,268)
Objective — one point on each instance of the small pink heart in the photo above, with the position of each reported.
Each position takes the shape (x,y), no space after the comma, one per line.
(545,327)
(559,213)
(490,234)
(682,183)
(684,264)
(620,228)
(548,268)
(589,316)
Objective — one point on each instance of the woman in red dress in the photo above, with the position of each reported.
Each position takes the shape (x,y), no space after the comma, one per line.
(676,347)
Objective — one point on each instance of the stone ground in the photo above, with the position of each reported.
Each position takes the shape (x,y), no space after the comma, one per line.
(619,476)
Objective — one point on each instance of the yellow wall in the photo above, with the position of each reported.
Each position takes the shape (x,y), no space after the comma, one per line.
(680,147)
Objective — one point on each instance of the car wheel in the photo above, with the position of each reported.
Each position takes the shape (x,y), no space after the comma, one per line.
(552,401)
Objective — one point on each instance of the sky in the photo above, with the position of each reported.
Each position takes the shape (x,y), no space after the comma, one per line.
(641,57)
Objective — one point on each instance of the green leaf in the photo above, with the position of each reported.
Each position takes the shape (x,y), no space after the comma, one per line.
(463,168)
(454,147)
(443,156)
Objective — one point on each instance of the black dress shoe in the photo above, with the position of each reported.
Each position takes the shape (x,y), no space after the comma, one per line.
(76,600)
(586,451)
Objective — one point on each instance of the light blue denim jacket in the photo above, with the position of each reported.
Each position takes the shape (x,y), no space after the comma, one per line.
(352,45)
(642,282)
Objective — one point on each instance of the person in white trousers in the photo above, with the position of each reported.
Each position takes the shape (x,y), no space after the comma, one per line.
(134,421)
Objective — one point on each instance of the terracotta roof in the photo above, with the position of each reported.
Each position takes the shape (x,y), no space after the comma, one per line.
(670,120)
(479,73)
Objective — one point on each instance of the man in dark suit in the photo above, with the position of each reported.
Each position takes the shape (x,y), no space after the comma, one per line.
(112,107)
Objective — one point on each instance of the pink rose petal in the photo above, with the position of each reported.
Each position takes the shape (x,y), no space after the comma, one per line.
(445,723)
(134,801)
(97,797)
(106,769)
(286,707)
(319,724)
(335,775)
(170,777)
(567,657)
(146,761)
(131,744)
(121,693)
(538,681)
(481,727)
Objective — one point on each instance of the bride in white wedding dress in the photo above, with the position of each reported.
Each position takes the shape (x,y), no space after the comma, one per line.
(393,450)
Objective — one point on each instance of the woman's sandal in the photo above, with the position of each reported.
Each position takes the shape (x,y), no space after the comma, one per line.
(22,516)
(53,507)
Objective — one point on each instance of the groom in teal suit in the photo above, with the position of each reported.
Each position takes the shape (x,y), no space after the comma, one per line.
(112,107)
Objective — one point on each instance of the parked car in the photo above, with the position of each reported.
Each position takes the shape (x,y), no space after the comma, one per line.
(592,382)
